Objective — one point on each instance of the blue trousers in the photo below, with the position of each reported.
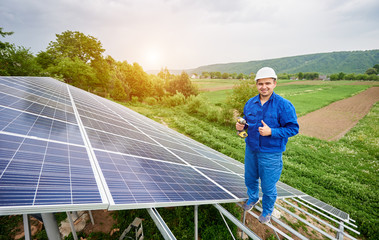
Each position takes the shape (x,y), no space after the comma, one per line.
(267,167)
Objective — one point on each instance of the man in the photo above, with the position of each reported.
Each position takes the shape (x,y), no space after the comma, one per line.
(271,120)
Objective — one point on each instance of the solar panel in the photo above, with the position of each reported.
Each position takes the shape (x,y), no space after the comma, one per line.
(326,207)
(64,149)
(44,164)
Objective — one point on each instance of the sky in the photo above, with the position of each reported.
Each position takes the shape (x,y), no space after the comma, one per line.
(185,34)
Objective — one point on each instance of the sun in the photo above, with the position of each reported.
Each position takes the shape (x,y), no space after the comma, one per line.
(153,58)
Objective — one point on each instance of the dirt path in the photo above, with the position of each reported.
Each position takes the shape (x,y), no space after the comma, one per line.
(335,120)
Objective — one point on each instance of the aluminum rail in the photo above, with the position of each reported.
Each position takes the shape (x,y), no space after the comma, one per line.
(237,222)
(320,220)
(307,223)
(296,233)
(324,215)
(161,224)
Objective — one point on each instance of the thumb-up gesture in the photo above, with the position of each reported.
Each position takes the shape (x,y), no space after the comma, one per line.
(265,130)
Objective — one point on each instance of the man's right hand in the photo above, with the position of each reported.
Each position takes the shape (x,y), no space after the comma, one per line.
(240,126)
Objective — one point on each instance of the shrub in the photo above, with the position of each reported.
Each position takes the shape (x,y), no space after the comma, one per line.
(172,101)
(150,101)
(135,99)
(242,92)
(194,104)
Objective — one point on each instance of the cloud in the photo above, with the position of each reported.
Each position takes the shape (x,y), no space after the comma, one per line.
(190,33)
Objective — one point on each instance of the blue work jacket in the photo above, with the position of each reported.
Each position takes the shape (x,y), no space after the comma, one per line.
(279,114)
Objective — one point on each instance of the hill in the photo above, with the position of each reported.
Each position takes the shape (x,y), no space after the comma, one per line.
(324,63)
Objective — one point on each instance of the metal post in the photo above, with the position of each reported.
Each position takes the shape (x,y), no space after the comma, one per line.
(243,222)
(72,226)
(90,215)
(340,233)
(196,222)
(51,226)
(27,227)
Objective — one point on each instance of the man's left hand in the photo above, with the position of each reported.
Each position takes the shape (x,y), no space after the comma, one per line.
(265,130)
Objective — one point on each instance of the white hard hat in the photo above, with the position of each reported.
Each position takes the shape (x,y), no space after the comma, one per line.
(265,72)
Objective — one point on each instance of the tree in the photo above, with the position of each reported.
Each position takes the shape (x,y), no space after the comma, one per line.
(74,72)
(240,76)
(371,71)
(225,75)
(300,75)
(74,45)
(205,75)
(18,61)
(165,75)
(376,66)
(15,60)
(4,45)
(341,76)
(182,84)
(44,59)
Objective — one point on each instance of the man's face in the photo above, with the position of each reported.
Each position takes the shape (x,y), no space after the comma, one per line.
(266,86)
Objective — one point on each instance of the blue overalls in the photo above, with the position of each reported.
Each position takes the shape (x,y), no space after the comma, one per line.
(263,155)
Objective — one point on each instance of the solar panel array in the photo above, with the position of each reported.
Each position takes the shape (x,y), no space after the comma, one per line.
(64,149)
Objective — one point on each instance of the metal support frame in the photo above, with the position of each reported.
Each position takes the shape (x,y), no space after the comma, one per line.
(51,226)
(90,215)
(243,222)
(196,219)
(307,223)
(230,231)
(27,231)
(237,222)
(160,223)
(340,232)
(324,215)
(72,226)
(321,221)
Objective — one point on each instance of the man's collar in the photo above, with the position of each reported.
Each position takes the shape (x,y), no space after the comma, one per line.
(257,98)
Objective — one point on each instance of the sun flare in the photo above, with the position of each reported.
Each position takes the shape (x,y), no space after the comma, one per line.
(153,58)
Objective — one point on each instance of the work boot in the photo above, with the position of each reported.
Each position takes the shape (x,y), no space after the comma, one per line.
(264,220)
(248,207)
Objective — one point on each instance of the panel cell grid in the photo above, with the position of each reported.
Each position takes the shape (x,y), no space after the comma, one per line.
(136,180)
(231,182)
(109,142)
(38,172)
(37,126)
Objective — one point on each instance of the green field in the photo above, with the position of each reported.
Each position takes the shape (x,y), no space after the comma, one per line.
(213,83)
(305,98)
(343,173)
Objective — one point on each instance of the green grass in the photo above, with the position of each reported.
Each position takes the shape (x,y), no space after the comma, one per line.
(212,83)
(217,97)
